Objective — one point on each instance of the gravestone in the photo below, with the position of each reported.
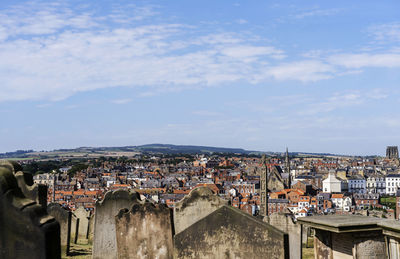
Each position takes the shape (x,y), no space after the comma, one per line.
(145,231)
(36,192)
(199,203)
(231,233)
(285,223)
(64,218)
(105,242)
(84,221)
(74,225)
(91,228)
(26,230)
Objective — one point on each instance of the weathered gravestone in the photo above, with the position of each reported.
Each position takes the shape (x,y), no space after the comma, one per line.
(105,243)
(74,227)
(199,203)
(145,231)
(84,222)
(26,230)
(230,233)
(36,192)
(64,217)
(285,223)
(91,228)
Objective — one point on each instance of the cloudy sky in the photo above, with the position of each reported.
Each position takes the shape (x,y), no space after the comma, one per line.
(316,76)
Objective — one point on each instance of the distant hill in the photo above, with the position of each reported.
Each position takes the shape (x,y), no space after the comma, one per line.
(149,148)
(162,148)
(18,153)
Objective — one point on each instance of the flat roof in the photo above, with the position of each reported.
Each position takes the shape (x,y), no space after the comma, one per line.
(342,223)
(391,228)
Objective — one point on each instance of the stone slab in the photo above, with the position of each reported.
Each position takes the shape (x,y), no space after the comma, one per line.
(104,239)
(231,233)
(145,231)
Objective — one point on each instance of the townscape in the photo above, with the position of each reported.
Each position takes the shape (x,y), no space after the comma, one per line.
(303,186)
(199,129)
(204,204)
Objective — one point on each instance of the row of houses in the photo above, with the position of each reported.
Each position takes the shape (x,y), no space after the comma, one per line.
(375,183)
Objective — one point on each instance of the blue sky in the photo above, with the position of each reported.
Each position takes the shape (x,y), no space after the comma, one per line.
(316,76)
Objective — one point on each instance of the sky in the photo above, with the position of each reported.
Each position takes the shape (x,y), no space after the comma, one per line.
(313,76)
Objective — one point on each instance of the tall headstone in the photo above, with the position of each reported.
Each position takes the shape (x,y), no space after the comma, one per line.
(84,222)
(231,233)
(199,203)
(144,231)
(64,218)
(286,223)
(91,229)
(26,230)
(105,242)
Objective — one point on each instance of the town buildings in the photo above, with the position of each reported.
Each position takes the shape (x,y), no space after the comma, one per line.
(299,185)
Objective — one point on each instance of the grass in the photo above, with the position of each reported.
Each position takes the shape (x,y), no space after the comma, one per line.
(308,250)
(389,202)
(78,251)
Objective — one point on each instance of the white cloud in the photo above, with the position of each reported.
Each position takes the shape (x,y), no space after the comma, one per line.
(207,113)
(343,100)
(386,32)
(378,94)
(316,12)
(53,51)
(388,60)
(69,52)
(305,71)
(245,51)
(332,103)
(242,21)
(121,101)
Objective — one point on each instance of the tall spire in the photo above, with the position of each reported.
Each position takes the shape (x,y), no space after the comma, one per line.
(263,171)
(287,168)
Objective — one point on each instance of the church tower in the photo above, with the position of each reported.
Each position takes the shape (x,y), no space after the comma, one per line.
(287,169)
(263,170)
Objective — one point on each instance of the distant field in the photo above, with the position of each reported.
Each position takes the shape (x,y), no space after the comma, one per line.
(56,154)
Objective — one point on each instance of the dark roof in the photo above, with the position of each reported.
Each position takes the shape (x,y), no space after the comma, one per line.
(393,175)
(278,201)
(325,195)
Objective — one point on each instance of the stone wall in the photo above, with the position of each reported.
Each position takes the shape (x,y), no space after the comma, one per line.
(145,231)
(105,242)
(199,203)
(26,230)
(231,233)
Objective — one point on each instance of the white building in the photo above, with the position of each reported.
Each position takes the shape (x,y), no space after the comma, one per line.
(342,202)
(376,184)
(392,183)
(332,184)
(357,184)
(46,179)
